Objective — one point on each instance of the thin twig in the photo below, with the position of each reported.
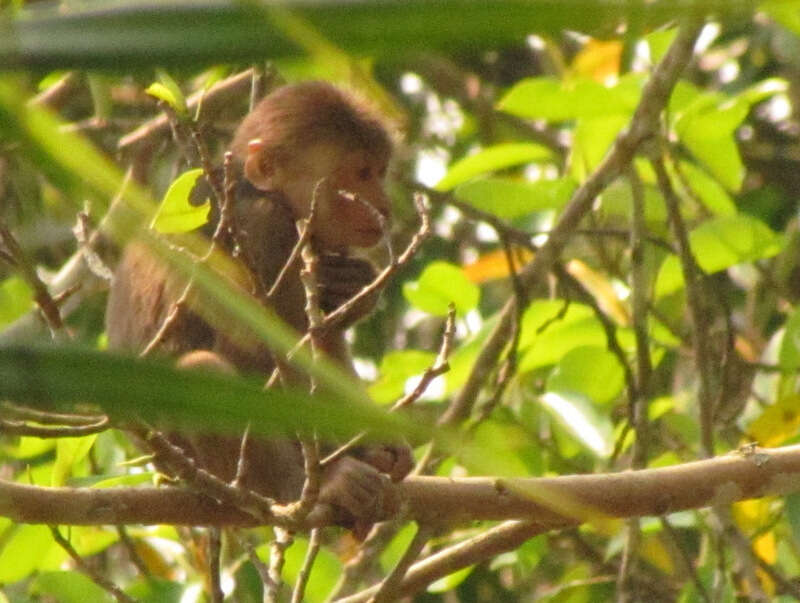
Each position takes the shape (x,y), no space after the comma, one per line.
(27,271)
(133,554)
(101,581)
(282,541)
(697,307)
(214,553)
(67,431)
(314,543)
(440,367)
(387,591)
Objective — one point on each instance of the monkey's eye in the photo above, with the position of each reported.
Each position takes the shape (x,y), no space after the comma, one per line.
(365,173)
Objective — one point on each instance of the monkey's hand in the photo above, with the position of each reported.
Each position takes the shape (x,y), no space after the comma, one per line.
(341,278)
(395,460)
(359,492)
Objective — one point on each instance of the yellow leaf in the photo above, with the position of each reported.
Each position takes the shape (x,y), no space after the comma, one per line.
(601,289)
(493,265)
(598,60)
(777,423)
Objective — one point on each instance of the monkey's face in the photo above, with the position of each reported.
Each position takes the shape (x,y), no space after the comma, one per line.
(352,208)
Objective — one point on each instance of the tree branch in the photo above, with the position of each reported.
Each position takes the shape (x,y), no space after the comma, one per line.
(552,502)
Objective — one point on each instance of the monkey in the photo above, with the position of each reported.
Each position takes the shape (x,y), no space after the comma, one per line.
(301,142)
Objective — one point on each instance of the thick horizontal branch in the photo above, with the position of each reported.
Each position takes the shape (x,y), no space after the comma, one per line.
(550,502)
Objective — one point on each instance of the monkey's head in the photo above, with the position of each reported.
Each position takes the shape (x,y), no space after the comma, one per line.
(310,140)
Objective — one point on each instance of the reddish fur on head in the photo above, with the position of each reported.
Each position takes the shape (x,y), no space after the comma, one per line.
(312,140)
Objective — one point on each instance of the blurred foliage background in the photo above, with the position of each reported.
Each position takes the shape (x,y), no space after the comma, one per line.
(503,110)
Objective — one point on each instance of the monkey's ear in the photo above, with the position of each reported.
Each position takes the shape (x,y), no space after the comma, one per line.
(258,166)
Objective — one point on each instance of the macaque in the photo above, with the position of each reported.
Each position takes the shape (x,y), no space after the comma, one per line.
(302,142)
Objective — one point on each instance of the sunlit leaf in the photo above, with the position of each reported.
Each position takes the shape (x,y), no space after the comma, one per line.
(779,422)
(714,197)
(592,371)
(16,298)
(494,264)
(789,351)
(176,213)
(720,243)
(507,198)
(69,587)
(493,158)
(22,551)
(70,451)
(552,100)
(395,370)
(598,59)
(576,414)
(439,285)
(550,329)
(449,582)
(327,569)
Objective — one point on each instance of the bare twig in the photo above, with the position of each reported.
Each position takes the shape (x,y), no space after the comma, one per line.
(67,431)
(387,591)
(214,552)
(283,540)
(440,367)
(23,413)
(314,543)
(133,554)
(697,308)
(101,581)
(27,271)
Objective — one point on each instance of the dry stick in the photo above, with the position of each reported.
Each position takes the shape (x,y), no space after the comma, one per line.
(101,581)
(637,405)
(261,508)
(314,543)
(696,303)
(47,418)
(507,536)
(439,367)
(388,588)
(219,96)
(214,552)
(27,271)
(241,465)
(283,540)
(643,125)
(687,561)
(133,554)
(72,431)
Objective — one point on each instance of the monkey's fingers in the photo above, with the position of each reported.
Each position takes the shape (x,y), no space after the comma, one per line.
(396,460)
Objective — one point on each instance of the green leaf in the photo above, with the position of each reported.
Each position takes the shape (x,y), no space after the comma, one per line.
(581,98)
(439,285)
(178,100)
(714,197)
(590,370)
(16,298)
(708,123)
(395,370)
(23,550)
(127,388)
(511,199)
(493,158)
(592,141)
(577,415)
(785,12)
(720,243)
(789,352)
(69,452)
(450,581)
(69,587)
(162,93)
(550,329)
(176,213)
